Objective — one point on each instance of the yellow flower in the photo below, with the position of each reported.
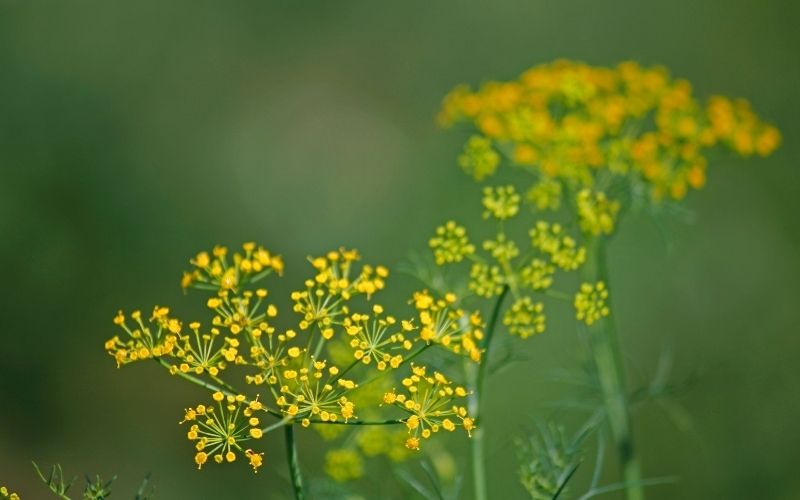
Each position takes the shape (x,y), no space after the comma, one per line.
(256,459)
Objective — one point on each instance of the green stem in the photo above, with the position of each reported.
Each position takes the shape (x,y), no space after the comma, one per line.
(476,376)
(359,422)
(229,391)
(604,344)
(294,466)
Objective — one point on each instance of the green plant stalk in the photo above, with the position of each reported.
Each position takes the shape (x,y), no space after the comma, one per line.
(294,467)
(476,376)
(604,344)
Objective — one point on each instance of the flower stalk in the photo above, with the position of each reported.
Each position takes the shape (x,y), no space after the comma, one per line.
(605,348)
(294,466)
(477,375)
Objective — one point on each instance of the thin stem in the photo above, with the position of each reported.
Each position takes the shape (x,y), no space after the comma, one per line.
(359,422)
(490,329)
(476,376)
(276,425)
(604,343)
(294,466)
(208,385)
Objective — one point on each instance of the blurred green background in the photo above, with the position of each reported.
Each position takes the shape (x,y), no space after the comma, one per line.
(133,134)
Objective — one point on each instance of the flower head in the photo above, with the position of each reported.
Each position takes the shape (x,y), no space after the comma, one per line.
(379,339)
(430,402)
(448,326)
(216,271)
(596,213)
(590,302)
(525,318)
(450,244)
(153,339)
(218,432)
(500,202)
(479,159)
(315,391)
(551,239)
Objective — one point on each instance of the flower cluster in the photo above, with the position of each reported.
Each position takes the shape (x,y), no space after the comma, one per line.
(219,433)
(215,272)
(451,244)
(590,302)
(324,299)
(315,391)
(377,339)
(429,402)
(563,250)
(479,158)
(444,324)
(596,213)
(525,318)
(500,202)
(579,124)
(144,341)
(310,378)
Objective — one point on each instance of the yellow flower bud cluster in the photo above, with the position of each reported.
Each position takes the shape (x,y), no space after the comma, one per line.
(563,250)
(451,244)
(500,202)
(590,302)
(479,159)
(596,213)
(525,318)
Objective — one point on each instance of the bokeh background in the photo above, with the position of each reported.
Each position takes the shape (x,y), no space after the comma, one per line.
(133,134)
